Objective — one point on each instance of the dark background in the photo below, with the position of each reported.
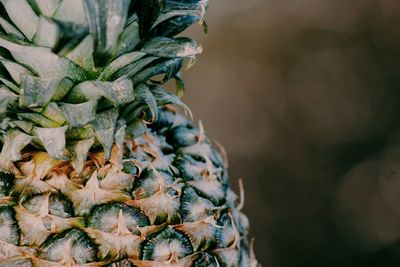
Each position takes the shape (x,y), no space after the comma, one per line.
(304,95)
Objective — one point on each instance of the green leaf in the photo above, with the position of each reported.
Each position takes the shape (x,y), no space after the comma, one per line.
(15,70)
(82,54)
(132,69)
(118,93)
(177,16)
(41,59)
(59,35)
(136,128)
(106,21)
(36,92)
(79,115)
(46,7)
(10,85)
(119,63)
(167,47)
(180,85)
(47,33)
(39,120)
(25,126)
(80,150)
(53,112)
(53,140)
(81,133)
(71,11)
(129,38)
(104,127)
(23,16)
(148,12)
(6,97)
(15,141)
(64,86)
(169,68)
(10,29)
(165,98)
(144,101)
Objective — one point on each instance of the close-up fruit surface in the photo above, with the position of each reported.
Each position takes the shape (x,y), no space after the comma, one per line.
(102,166)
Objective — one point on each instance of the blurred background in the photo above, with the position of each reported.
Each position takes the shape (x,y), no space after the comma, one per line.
(304,95)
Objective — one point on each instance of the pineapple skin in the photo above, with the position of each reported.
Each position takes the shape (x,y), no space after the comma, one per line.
(169,204)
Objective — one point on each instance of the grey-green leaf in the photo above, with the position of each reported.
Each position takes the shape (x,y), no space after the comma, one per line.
(118,93)
(80,150)
(10,29)
(36,92)
(165,98)
(6,97)
(104,127)
(13,144)
(136,128)
(41,59)
(25,126)
(39,120)
(79,115)
(53,140)
(129,38)
(71,11)
(120,63)
(168,47)
(82,54)
(15,70)
(53,112)
(106,21)
(47,7)
(23,16)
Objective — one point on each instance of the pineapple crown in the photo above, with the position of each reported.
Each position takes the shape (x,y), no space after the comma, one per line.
(77,75)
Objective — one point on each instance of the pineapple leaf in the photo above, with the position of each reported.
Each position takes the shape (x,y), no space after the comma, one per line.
(144,107)
(47,34)
(106,21)
(22,15)
(42,60)
(167,47)
(118,93)
(53,112)
(136,128)
(71,11)
(148,12)
(164,98)
(25,126)
(39,120)
(177,16)
(80,150)
(36,92)
(132,69)
(53,34)
(129,38)
(82,54)
(104,127)
(14,143)
(6,97)
(10,85)
(15,70)
(45,7)
(10,29)
(79,115)
(168,67)
(53,140)
(180,85)
(120,63)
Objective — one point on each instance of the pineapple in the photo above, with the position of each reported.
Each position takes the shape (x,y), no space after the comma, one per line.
(99,165)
